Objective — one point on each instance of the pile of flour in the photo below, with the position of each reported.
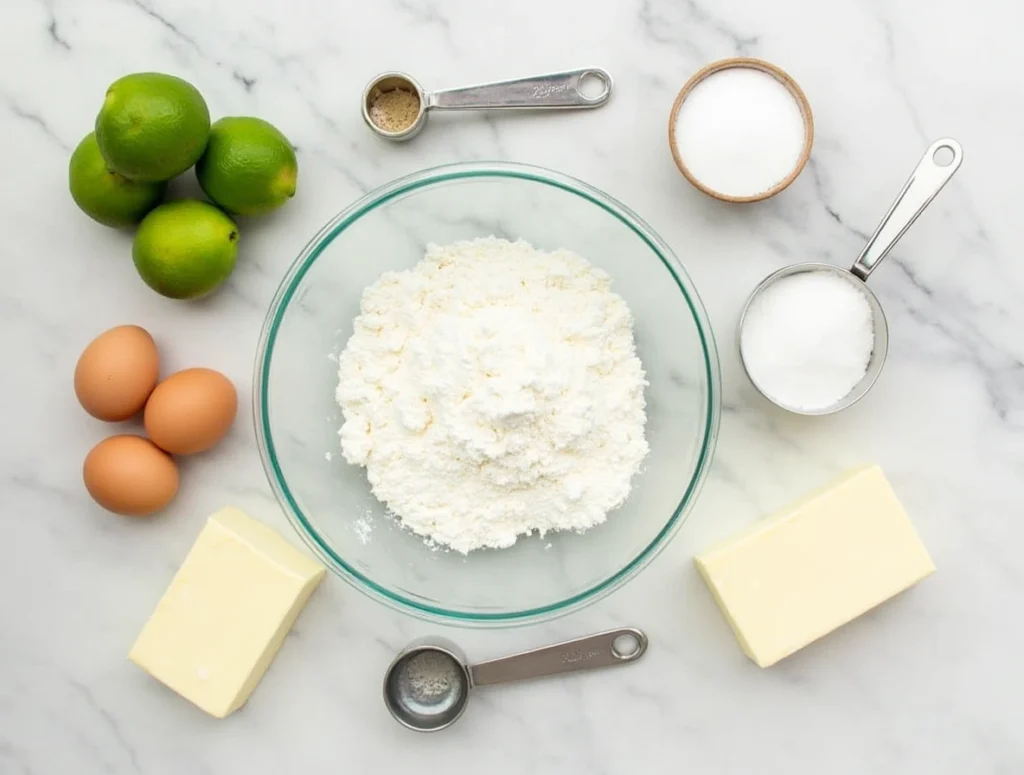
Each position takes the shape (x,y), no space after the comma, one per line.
(493,391)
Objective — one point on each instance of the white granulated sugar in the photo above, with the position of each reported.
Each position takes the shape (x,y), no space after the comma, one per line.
(494,391)
(807,340)
(740,132)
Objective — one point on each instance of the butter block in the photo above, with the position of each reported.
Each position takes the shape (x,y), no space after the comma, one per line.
(222,620)
(813,567)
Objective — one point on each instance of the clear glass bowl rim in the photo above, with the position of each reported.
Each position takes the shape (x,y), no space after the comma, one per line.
(367,204)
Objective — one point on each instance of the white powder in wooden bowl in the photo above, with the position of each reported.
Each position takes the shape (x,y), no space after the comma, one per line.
(740,132)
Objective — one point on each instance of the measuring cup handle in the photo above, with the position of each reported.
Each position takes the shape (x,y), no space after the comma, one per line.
(555,90)
(586,653)
(918,192)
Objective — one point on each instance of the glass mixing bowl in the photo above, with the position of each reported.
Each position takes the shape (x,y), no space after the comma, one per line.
(330,503)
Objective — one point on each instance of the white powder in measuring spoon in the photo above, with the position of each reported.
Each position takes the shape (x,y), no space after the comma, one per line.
(807,340)
(740,132)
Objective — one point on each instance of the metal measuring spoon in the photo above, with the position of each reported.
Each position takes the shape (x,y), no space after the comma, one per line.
(554,90)
(924,184)
(427,686)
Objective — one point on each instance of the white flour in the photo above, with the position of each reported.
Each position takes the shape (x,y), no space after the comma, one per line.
(493,391)
(362,527)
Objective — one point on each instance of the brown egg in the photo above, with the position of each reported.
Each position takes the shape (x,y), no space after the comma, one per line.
(190,411)
(116,373)
(129,475)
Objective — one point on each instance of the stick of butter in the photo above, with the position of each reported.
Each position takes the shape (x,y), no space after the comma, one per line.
(226,612)
(815,566)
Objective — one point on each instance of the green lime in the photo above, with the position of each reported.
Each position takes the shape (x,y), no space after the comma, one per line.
(152,126)
(105,196)
(185,249)
(249,167)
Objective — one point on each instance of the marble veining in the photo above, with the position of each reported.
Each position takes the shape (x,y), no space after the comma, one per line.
(925,683)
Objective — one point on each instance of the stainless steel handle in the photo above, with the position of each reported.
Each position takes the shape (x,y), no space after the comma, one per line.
(586,653)
(554,90)
(918,192)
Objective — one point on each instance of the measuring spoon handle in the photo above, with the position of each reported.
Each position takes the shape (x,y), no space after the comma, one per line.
(586,653)
(918,192)
(554,90)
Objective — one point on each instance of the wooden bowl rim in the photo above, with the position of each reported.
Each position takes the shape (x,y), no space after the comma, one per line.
(778,74)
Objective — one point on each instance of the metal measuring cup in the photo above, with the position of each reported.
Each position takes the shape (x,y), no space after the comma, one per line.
(554,90)
(931,174)
(427,686)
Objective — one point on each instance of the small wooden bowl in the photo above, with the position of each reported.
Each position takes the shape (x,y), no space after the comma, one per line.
(779,75)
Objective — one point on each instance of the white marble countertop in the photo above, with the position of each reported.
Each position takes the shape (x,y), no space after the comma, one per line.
(923,684)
